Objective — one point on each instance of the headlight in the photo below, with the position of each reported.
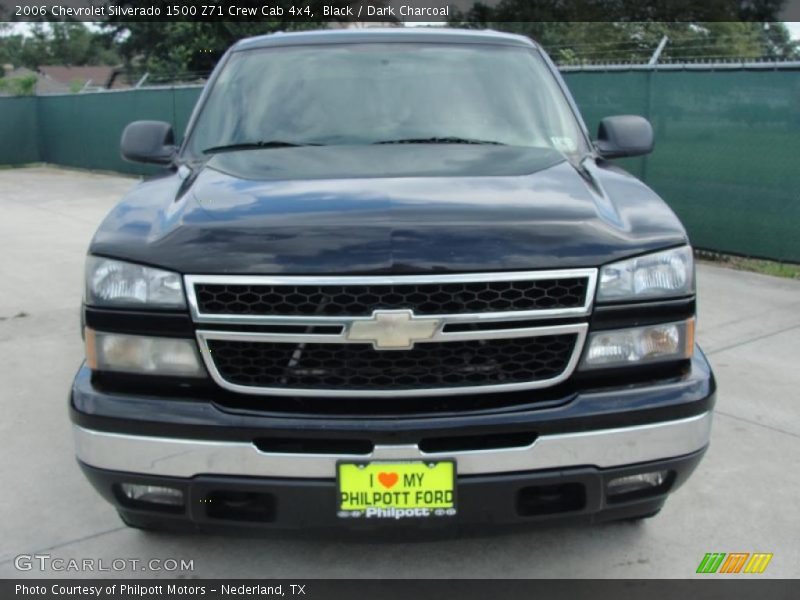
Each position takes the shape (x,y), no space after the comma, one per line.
(122,284)
(639,345)
(660,275)
(140,354)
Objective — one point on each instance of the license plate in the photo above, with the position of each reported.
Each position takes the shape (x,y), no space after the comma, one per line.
(396,490)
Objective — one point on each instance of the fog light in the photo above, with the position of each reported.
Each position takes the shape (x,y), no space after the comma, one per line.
(636,483)
(152,494)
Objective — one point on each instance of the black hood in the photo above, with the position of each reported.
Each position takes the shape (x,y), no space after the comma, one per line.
(380,209)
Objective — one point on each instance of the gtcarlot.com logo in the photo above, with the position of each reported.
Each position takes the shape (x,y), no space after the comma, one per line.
(734,562)
(47,562)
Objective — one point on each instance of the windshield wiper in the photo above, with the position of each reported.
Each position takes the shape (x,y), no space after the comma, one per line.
(255,146)
(440,140)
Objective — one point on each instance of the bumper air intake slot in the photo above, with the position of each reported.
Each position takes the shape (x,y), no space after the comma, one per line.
(314,446)
(466,443)
(240,506)
(551,499)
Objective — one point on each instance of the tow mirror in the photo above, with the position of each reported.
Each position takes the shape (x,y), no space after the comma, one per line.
(624,135)
(150,142)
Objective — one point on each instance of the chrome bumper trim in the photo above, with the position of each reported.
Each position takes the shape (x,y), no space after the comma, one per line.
(187,458)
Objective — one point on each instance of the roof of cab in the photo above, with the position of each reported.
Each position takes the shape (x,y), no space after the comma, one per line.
(387,34)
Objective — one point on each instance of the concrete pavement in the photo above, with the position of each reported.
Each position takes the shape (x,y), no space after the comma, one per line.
(743,497)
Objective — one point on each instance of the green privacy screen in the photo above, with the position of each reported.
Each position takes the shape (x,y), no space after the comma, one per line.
(19,141)
(727,157)
(83,130)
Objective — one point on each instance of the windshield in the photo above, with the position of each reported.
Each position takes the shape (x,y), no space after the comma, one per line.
(369,93)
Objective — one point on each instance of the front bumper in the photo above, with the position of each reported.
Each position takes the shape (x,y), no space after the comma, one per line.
(212,452)
(186,458)
(576,495)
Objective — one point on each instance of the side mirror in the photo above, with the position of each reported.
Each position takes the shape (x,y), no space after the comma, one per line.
(624,135)
(148,142)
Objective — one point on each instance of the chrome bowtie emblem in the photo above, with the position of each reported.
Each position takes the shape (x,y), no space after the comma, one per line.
(393,329)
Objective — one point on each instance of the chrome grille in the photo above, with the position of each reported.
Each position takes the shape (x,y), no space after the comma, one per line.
(380,336)
(362,367)
(361,300)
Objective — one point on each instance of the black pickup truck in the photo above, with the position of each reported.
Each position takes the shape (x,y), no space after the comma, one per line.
(388,279)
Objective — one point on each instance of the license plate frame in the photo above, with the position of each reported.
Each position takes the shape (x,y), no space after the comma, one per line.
(410,506)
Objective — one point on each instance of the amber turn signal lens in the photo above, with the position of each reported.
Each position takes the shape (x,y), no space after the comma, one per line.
(640,345)
(91,348)
(143,354)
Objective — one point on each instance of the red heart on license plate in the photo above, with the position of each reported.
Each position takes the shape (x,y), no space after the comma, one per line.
(387,479)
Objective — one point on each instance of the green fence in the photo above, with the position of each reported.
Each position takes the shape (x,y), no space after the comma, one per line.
(19,140)
(83,130)
(727,155)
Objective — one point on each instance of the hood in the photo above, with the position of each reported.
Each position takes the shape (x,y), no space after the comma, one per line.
(387,209)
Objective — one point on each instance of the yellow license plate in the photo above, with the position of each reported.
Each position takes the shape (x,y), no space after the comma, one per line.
(397,490)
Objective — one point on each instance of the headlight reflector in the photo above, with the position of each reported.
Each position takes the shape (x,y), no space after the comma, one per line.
(660,275)
(144,355)
(638,345)
(123,284)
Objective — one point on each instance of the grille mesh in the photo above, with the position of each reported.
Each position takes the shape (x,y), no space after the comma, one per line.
(361,300)
(360,367)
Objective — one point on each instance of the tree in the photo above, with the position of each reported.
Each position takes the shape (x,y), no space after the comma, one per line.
(623,11)
(75,44)
(779,43)
(189,48)
(178,49)
(69,43)
(630,32)
(24,85)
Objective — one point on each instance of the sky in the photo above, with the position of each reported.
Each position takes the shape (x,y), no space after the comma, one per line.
(794,29)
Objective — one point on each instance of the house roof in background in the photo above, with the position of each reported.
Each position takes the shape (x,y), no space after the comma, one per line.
(100,76)
(61,79)
(44,84)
